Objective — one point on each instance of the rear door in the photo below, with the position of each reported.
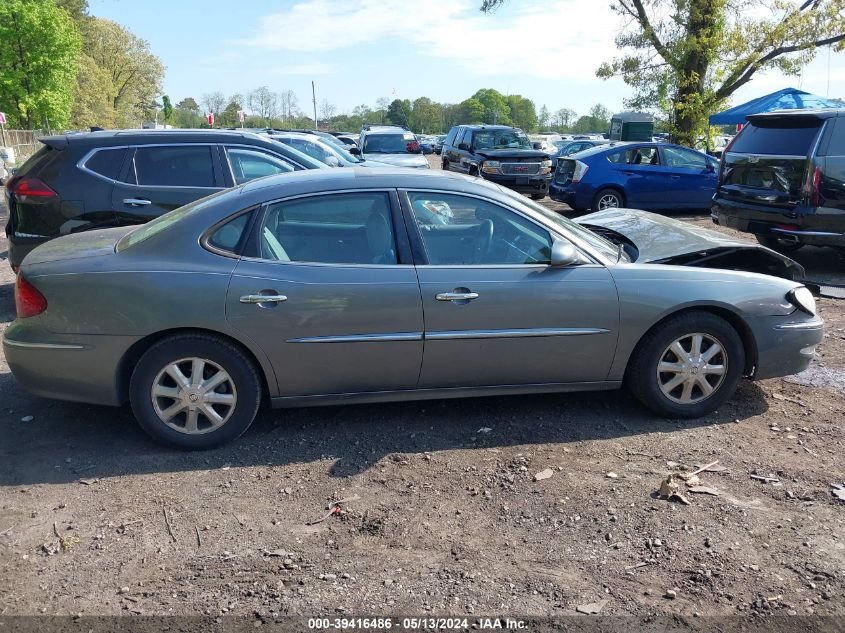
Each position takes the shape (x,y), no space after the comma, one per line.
(768,162)
(692,177)
(159,178)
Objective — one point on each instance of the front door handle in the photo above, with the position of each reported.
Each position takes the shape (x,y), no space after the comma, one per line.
(456,296)
(137,202)
(263,298)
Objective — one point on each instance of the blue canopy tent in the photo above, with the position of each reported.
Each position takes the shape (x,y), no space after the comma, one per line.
(786,99)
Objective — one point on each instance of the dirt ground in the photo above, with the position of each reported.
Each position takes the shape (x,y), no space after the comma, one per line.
(445,516)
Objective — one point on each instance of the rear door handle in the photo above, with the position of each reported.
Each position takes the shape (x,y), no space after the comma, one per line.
(263,298)
(456,296)
(137,202)
(674,177)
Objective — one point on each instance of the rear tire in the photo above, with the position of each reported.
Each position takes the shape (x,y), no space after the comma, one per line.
(538,196)
(778,244)
(195,391)
(444,165)
(673,378)
(608,198)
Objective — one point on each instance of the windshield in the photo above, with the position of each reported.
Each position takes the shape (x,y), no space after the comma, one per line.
(500,139)
(390,144)
(164,222)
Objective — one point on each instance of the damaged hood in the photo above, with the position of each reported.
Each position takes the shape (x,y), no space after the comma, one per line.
(658,239)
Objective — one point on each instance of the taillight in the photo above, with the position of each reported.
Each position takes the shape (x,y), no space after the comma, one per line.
(581,170)
(815,188)
(31,190)
(414,147)
(28,301)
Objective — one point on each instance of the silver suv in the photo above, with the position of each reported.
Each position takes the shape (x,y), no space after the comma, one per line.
(390,144)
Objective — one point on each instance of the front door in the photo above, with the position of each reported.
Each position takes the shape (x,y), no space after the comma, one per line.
(692,177)
(159,178)
(325,297)
(495,312)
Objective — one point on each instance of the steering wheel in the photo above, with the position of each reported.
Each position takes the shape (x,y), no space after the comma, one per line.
(483,240)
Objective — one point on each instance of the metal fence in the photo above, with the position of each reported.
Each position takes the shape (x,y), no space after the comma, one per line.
(24,143)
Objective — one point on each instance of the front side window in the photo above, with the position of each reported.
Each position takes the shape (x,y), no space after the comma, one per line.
(248,164)
(459,230)
(683,158)
(175,166)
(348,228)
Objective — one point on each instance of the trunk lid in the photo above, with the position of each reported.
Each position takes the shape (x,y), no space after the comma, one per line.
(77,246)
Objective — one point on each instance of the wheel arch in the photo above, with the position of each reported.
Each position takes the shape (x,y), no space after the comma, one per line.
(132,355)
(749,343)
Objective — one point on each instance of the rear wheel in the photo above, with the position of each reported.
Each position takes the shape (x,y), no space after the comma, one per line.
(194,391)
(777,243)
(687,366)
(445,165)
(607,199)
(538,196)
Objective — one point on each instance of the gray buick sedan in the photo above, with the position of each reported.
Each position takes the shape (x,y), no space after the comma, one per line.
(360,285)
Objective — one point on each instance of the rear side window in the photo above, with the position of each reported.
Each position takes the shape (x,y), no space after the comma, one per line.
(776,141)
(175,166)
(106,162)
(248,164)
(450,138)
(230,236)
(836,145)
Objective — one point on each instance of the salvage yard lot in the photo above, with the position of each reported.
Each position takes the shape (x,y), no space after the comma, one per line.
(445,515)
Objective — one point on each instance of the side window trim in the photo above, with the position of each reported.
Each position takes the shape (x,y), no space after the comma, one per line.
(246,237)
(130,167)
(400,236)
(418,246)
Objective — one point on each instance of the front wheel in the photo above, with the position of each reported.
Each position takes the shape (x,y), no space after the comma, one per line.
(607,199)
(444,165)
(194,391)
(777,243)
(687,366)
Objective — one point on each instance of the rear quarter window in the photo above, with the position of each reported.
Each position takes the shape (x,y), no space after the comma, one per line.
(796,140)
(106,162)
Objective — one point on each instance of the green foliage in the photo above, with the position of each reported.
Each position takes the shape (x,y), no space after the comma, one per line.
(523,113)
(166,108)
(495,104)
(686,58)
(426,116)
(399,112)
(39,52)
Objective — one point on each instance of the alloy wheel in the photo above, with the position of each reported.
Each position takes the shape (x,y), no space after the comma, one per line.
(608,201)
(692,368)
(194,395)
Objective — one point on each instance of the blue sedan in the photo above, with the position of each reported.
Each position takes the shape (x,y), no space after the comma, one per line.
(638,175)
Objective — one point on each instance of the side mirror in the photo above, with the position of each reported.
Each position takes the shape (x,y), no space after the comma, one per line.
(354,151)
(564,254)
(537,145)
(463,146)
(332,161)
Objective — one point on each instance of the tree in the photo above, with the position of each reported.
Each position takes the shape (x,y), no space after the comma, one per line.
(289,104)
(134,73)
(523,112)
(76,9)
(214,102)
(472,111)
(264,104)
(166,108)
(544,118)
(687,57)
(564,117)
(496,108)
(381,109)
(188,103)
(426,116)
(38,62)
(92,105)
(327,110)
(399,112)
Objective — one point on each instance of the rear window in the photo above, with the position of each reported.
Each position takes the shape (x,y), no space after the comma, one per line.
(107,162)
(42,153)
(777,141)
(391,144)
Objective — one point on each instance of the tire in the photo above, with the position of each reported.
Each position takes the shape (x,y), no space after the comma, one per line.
(778,244)
(604,195)
(445,165)
(236,398)
(650,386)
(538,196)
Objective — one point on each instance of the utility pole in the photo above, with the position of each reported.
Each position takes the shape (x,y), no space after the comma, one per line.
(314,100)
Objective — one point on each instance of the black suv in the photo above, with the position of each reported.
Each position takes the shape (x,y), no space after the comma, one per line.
(783,179)
(498,153)
(78,182)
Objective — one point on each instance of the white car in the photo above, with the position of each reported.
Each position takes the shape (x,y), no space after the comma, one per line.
(392,145)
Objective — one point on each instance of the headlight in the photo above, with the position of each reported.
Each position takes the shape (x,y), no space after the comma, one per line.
(545,166)
(491,167)
(802,299)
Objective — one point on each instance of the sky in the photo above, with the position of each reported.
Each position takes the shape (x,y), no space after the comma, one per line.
(357,51)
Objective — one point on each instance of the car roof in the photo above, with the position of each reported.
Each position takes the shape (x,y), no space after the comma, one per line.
(114,137)
(818,113)
(484,126)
